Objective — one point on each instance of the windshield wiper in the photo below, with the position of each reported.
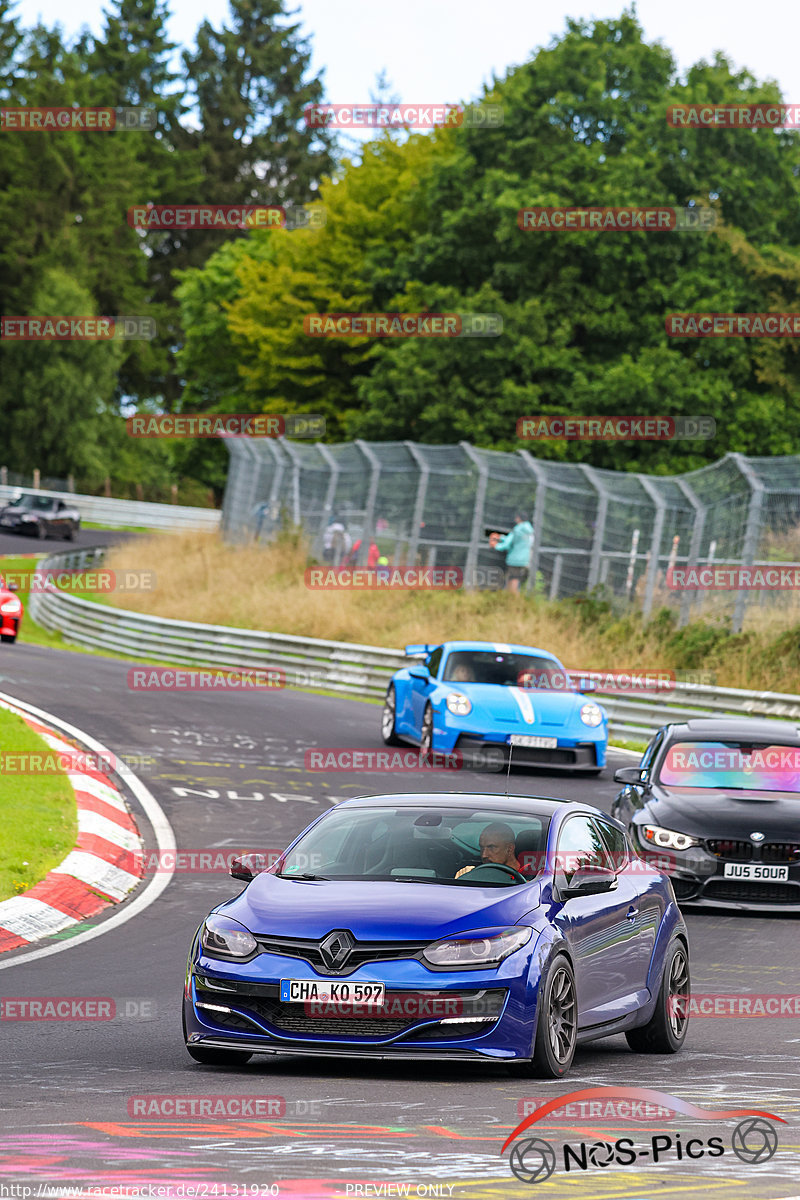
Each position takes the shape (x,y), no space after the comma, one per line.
(305,875)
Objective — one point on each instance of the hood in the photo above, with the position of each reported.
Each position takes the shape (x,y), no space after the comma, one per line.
(379,911)
(514,706)
(703,812)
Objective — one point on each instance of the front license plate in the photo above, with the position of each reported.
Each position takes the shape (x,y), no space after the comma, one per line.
(756,871)
(333,991)
(541,743)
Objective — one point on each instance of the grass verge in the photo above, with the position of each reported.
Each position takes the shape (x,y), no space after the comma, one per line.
(201,578)
(38,814)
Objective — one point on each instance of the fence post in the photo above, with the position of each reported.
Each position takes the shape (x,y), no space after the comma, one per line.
(698,528)
(599,525)
(419,503)
(3,476)
(372,494)
(631,564)
(556,579)
(538,513)
(330,496)
(477,516)
(37,478)
(658,529)
(751,533)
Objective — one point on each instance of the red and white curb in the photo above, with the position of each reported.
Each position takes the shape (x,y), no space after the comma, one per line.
(105,864)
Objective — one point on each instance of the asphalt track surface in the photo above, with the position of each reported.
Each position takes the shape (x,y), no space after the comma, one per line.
(16,544)
(229,771)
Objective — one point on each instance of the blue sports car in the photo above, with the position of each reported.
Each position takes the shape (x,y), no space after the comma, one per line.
(453,926)
(486,700)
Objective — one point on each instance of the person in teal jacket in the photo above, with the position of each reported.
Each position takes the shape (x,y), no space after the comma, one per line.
(517,545)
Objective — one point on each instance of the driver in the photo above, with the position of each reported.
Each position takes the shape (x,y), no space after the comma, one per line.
(497,846)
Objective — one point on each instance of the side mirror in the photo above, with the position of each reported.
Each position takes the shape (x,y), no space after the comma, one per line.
(590,881)
(12,587)
(419,673)
(628,775)
(585,684)
(247,866)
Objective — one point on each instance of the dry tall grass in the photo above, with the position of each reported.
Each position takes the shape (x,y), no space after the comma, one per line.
(200,578)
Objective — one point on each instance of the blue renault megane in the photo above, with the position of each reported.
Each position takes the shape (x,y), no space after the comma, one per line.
(448,925)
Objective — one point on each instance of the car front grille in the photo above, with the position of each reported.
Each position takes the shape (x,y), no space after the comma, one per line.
(260,1001)
(362,954)
(768,852)
(756,893)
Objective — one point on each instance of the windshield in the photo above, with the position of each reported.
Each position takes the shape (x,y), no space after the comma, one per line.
(732,766)
(421,844)
(31,502)
(505,669)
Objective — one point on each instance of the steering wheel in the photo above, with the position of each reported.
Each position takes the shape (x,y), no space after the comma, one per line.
(516,875)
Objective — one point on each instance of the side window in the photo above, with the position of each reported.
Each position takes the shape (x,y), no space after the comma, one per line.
(650,753)
(434,660)
(579,845)
(616,844)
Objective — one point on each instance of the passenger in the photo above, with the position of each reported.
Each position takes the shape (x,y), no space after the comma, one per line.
(497,846)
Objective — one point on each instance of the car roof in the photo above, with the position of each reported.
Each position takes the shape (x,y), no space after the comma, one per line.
(547,806)
(496,647)
(722,728)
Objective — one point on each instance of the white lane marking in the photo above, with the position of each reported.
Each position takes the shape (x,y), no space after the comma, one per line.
(164,834)
(30,918)
(524,704)
(92,822)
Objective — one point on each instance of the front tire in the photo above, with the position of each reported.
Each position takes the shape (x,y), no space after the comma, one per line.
(8,637)
(389,718)
(556,1023)
(665,1032)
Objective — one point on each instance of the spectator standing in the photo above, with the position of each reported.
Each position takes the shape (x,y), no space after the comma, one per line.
(516,545)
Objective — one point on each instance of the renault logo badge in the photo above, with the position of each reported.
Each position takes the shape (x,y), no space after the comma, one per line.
(335,949)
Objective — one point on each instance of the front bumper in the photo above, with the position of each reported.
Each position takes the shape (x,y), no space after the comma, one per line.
(570,754)
(9,625)
(481,1014)
(698,880)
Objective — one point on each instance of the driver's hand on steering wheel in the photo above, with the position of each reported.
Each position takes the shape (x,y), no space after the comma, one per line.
(463,871)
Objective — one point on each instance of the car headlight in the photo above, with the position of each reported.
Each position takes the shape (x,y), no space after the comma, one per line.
(481,947)
(226,938)
(459,704)
(669,839)
(592,714)
(11,606)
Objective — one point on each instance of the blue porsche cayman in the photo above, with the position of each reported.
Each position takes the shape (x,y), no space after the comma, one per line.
(451,926)
(484,700)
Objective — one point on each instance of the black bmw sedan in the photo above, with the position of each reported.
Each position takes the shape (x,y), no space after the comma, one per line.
(716,804)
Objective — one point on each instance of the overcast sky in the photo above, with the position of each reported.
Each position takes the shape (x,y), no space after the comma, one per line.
(444,50)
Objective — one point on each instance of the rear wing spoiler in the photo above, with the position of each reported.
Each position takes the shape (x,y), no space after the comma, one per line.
(418,650)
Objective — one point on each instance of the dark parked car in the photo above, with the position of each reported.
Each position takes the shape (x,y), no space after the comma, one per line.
(717,803)
(40,517)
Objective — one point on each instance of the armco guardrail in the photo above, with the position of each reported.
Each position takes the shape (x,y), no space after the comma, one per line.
(338,666)
(106,511)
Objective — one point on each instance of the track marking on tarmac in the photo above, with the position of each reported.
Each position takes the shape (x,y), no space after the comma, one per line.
(164,834)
